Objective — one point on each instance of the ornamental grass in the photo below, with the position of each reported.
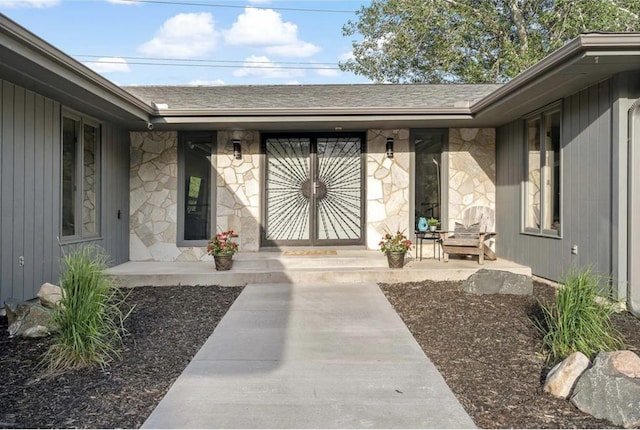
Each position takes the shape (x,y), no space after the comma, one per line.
(579,320)
(90,316)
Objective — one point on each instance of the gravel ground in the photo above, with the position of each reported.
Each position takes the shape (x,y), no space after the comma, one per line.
(485,346)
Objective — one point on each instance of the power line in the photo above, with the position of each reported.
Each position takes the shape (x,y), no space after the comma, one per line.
(204,61)
(245,66)
(182,3)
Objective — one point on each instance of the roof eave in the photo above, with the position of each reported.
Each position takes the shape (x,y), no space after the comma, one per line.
(375,111)
(34,49)
(574,51)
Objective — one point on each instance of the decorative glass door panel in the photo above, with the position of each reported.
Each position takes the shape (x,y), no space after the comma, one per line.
(313,190)
(339,188)
(287,189)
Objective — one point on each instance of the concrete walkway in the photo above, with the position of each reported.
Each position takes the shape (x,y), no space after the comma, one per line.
(310,356)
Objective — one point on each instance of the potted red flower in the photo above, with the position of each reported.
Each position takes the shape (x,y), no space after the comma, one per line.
(222,248)
(395,246)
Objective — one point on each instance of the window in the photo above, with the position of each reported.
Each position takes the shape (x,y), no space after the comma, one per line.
(428,152)
(80,178)
(542,184)
(196,190)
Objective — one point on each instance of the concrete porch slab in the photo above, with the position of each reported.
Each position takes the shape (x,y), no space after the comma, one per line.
(346,266)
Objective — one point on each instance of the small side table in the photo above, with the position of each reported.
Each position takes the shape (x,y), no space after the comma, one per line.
(427,235)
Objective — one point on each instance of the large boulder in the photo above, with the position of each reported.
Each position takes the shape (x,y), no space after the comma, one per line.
(610,389)
(562,378)
(29,319)
(486,281)
(50,295)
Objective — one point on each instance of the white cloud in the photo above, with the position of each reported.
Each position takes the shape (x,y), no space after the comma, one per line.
(29,3)
(262,67)
(292,83)
(259,1)
(127,2)
(109,65)
(265,28)
(206,83)
(185,35)
(296,49)
(346,56)
(261,27)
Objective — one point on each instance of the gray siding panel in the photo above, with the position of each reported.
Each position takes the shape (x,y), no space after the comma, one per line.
(586,190)
(30,181)
(6,199)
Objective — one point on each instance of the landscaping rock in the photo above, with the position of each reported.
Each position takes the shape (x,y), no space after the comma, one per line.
(486,281)
(562,378)
(28,319)
(607,391)
(50,295)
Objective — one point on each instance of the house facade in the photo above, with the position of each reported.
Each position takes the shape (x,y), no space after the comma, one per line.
(150,173)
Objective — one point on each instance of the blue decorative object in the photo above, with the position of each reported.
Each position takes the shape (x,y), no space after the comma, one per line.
(422,224)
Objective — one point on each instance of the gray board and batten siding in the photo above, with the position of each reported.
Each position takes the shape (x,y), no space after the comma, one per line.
(586,189)
(30,187)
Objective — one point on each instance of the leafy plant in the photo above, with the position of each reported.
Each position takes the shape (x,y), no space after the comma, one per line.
(397,242)
(433,222)
(470,41)
(222,244)
(579,320)
(90,315)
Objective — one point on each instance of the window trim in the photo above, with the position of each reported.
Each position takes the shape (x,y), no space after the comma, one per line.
(81,120)
(540,114)
(182,139)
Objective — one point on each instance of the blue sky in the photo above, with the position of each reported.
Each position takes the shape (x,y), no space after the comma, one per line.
(279,41)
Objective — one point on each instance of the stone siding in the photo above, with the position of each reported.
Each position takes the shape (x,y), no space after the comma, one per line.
(154,195)
(388,185)
(472,172)
(154,198)
(238,188)
(154,192)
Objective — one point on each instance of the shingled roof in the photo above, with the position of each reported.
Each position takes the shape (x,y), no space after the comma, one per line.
(310,96)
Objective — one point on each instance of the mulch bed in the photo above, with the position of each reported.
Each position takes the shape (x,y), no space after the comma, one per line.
(488,351)
(485,346)
(168,326)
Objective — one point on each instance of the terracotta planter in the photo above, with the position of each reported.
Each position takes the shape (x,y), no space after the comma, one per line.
(223,262)
(395,259)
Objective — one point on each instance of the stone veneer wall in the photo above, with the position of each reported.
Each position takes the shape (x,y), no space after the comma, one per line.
(238,188)
(154,172)
(472,171)
(387,184)
(153,185)
(154,195)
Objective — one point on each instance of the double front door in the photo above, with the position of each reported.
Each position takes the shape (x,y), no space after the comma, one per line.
(313,189)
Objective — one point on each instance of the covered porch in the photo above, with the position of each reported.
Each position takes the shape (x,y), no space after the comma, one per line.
(300,265)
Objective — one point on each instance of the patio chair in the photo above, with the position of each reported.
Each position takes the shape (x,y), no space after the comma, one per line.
(470,239)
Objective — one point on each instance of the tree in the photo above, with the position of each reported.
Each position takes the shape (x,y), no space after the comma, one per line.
(472,41)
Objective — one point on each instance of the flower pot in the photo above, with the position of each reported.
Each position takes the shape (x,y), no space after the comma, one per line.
(223,262)
(432,227)
(395,259)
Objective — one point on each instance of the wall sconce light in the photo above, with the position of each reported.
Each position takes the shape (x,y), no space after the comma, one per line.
(237,149)
(389,147)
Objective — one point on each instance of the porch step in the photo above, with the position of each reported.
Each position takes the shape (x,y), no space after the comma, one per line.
(346,266)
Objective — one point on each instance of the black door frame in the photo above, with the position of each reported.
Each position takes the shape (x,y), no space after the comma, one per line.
(313,160)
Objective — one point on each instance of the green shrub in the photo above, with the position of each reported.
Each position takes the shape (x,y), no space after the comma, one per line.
(90,315)
(579,320)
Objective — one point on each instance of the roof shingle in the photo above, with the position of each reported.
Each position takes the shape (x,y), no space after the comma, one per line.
(311,96)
